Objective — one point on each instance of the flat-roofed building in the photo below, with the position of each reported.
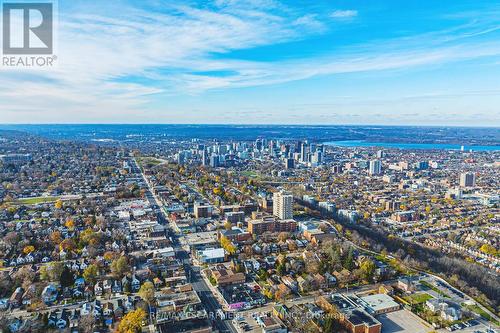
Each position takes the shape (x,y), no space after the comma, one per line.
(235,235)
(360,321)
(235,217)
(271,224)
(211,256)
(271,324)
(467,179)
(350,314)
(283,205)
(202,210)
(379,303)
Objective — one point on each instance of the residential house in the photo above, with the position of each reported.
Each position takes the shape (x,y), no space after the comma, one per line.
(49,294)
(16,298)
(98,289)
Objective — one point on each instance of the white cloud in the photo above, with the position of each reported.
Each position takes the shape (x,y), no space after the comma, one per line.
(342,14)
(118,61)
(310,21)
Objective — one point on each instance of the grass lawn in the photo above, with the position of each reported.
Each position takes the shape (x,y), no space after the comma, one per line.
(148,160)
(250,174)
(36,200)
(418,298)
(482,313)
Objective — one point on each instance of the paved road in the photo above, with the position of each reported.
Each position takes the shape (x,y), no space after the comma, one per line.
(193,272)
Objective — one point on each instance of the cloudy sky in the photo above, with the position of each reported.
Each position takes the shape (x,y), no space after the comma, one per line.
(266,62)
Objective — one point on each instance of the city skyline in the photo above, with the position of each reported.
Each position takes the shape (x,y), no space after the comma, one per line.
(265,62)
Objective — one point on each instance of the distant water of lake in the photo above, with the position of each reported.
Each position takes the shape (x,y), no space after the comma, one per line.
(360,143)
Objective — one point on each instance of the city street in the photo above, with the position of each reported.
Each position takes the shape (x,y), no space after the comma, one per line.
(193,272)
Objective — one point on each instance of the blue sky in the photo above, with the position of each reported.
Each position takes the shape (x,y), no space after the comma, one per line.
(267,62)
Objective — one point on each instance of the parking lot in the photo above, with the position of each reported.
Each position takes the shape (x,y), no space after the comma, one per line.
(246,323)
(403,321)
(473,326)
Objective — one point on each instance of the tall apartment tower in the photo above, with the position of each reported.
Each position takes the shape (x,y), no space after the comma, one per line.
(283,205)
(204,157)
(375,167)
(467,179)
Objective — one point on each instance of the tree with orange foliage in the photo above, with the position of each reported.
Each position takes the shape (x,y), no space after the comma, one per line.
(110,255)
(28,249)
(67,245)
(70,224)
(55,237)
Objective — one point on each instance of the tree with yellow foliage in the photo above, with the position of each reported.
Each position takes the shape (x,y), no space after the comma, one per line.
(132,322)
(147,292)
(28,249)
(488,249)
(228,225)
(58,204)
(227,245)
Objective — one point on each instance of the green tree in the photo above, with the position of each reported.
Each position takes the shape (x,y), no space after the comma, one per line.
(368,269)
(54,270)
(67,278)
(349,259)
(120,267)
(281,269)
(90,273)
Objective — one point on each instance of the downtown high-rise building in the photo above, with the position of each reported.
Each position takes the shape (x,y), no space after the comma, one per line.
(289,163)
(375,167)
(304,152)
(467,179)
(283,205)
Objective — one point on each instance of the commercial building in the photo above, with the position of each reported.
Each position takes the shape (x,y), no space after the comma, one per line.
(350,314)
(271,324)
(241,296)
(211,256)
(379,303)
(289,163)
(337,169)
(214,161)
